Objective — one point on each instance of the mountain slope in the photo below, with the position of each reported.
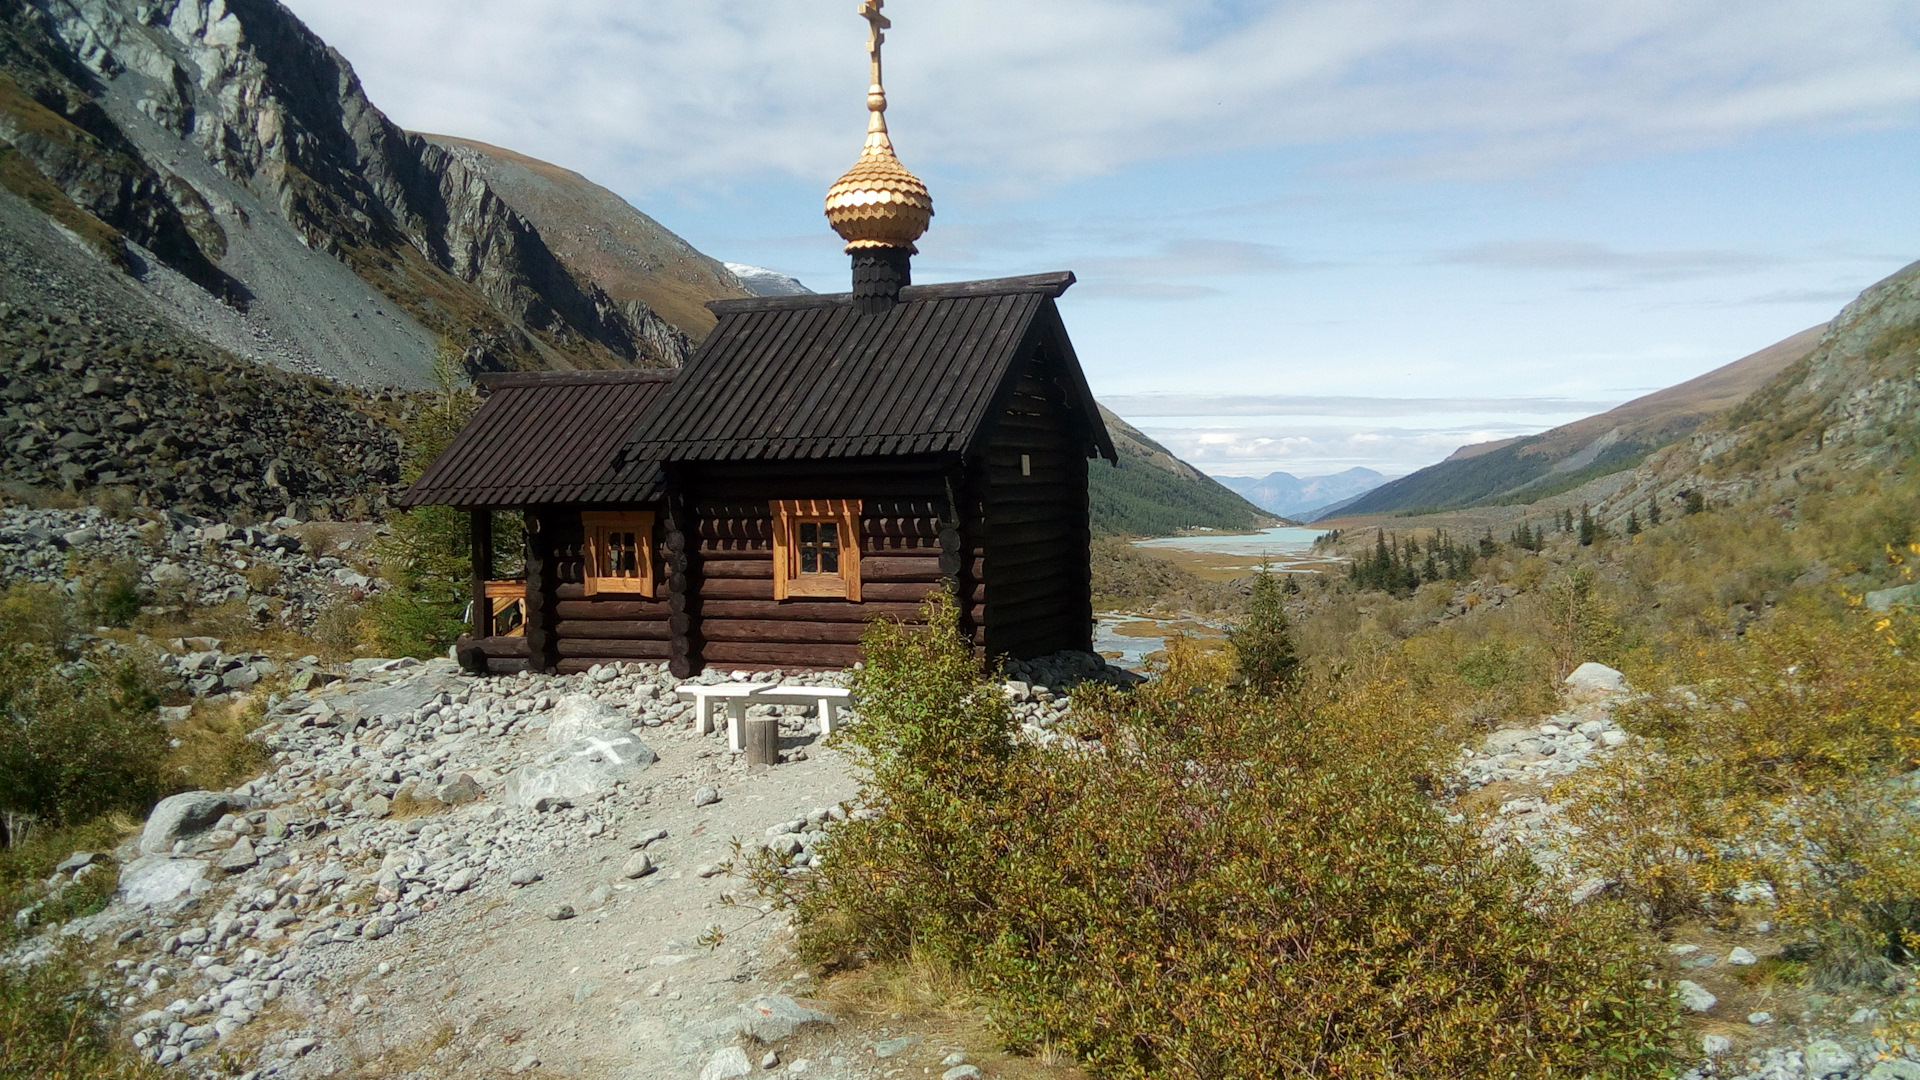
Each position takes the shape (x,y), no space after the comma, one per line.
(227,159)
(1297,496)
(604,240)
(1153,493)
(1851,404)
(1567,456)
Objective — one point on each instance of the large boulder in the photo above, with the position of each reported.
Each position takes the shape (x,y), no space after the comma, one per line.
(589,765)
(578,715)
(1593,680)
(414,693)
(177,817)
(156,879)
(774,1017)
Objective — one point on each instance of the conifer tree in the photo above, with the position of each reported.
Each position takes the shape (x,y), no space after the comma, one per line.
(1653,512)
(1633,523)
(1263,642)
(1589,528)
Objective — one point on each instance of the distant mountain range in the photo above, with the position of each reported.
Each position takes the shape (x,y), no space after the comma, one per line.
(1303,497)
(1153,493)
(1527,469)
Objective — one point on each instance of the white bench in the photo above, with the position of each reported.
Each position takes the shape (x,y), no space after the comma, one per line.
(733,695)
(737,696)
(828,699)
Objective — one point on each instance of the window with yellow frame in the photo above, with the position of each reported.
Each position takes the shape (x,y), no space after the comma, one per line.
(816,549)
(618,552)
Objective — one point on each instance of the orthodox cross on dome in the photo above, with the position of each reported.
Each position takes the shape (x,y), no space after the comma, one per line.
(879,206)
(878,25)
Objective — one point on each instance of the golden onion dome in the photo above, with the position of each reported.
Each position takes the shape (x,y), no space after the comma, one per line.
(878,203)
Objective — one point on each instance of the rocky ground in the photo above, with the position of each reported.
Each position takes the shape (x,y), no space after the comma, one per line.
(1749,1028)
(523,875)
(284,572)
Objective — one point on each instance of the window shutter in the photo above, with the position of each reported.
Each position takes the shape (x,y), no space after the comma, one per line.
(850,547)
(783,568)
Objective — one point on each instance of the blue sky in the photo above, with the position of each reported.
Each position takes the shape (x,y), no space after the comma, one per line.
(1309,235)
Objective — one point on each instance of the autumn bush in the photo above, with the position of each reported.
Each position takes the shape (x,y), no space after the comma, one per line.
(1777,762)
(54,1027)
(1212,882)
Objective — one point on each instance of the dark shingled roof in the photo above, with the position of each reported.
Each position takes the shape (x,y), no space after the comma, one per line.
(544,438)
(809,377)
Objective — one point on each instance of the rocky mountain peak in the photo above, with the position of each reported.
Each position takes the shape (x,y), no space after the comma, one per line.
(227,143)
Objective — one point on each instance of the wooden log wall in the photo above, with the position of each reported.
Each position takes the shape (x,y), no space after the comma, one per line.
(569,631)
(1034,525)
(744,627)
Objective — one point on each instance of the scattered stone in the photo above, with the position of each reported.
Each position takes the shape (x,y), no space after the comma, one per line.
(1895,1069)
(1715,1045)
(561,912)
(707,870)
(1824,1057)
(239,858)
(1740,957)
(524,1064)
(460,790)
(1694,997)
(774,1017)
(705,796)
(76,861)
(638,866)
(178,816)
(526,875)
(1759,1018)
(770,1060)
(157,879)
(962,1072)
(887,1048)
(727,1064)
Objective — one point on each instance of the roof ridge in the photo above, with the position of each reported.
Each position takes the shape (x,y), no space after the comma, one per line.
(500,380)
(1052,284)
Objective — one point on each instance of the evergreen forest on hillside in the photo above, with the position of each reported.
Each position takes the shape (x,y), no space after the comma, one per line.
(1139,499)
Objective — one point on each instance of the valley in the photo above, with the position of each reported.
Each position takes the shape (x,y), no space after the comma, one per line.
(1586,753)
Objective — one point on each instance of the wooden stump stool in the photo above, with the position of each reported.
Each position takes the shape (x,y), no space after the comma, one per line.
(763,740)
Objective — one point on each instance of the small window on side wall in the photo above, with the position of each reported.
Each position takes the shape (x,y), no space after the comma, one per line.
(816,548)
(618,552)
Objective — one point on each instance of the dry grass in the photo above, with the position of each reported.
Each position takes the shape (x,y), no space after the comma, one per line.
(214,750)
(925,997)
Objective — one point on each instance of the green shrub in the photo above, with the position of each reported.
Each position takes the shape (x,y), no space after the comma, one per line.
(1217,884)
(53,1027)
(78,737)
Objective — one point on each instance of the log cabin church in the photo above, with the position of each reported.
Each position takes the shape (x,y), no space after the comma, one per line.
(821,460)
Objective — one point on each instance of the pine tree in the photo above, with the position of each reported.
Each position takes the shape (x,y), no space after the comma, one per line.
(1589,528)
(1696,503)
(1264,641)
(1653,512)
(1633,523)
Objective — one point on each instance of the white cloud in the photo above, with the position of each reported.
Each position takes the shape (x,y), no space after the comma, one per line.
(1305,405)
(1321,449)
(655,94)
